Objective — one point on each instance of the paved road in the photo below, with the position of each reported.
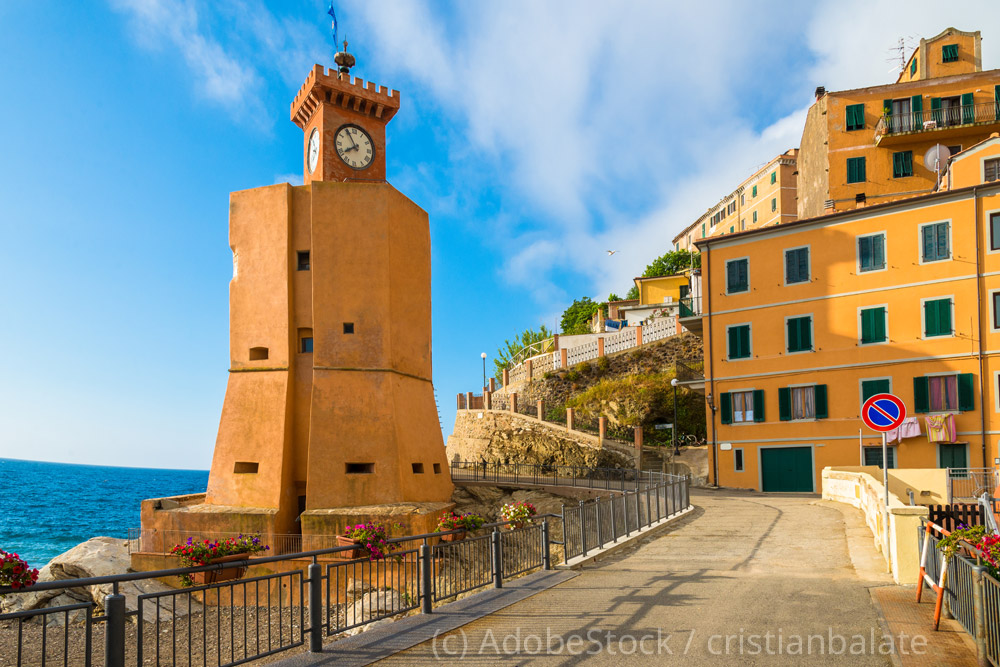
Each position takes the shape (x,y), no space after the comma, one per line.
(745,579)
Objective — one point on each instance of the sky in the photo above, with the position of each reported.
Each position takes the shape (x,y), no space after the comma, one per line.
(536,134)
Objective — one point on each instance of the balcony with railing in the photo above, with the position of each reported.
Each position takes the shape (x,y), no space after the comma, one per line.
(690,373)
(941,124)
(689,312)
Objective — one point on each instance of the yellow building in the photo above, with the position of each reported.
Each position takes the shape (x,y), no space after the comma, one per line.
(804,321)
(767,197)
(868,145)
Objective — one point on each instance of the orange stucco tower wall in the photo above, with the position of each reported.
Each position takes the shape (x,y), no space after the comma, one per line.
(329,416)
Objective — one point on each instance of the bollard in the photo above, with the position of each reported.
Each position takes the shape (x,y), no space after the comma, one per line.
(979,612)
(497,559)
(546,555)
(425,578)
(583,531)
(315,573)
(114,634)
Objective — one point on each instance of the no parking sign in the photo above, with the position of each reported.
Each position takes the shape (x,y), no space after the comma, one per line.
(883,412)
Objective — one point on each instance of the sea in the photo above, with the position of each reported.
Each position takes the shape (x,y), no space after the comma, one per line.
(48,508)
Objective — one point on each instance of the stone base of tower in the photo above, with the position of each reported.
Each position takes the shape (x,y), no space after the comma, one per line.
(320,526)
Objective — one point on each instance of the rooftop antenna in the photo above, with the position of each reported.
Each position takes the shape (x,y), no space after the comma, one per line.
(897,54)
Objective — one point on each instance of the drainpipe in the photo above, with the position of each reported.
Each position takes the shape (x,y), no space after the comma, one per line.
(706,292)
(979,313)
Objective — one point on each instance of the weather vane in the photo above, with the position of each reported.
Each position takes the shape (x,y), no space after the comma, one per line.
(343,59)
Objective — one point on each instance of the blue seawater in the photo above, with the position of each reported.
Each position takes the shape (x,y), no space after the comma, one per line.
(48,508)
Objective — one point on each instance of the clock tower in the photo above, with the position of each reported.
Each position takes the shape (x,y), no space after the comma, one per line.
(329,417)
(343,123)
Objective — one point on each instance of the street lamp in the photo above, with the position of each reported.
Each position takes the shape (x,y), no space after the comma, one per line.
(673,431)
(483,355)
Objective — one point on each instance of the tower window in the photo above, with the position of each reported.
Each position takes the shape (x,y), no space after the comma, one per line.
(246,468)
(305,341)
(360,468)
(418,468)
(258,353)
(303,260)
(348,327)
(437,468)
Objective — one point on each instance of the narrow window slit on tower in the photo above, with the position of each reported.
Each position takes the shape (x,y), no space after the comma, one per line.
(418,468)
(348,327)
(360,468)
(245,468)
(303,260)
(437,468)
(258,353)
(305,341)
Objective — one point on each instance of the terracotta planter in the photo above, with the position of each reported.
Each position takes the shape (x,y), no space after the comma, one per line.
(454,537)
(225,574)
(357,552)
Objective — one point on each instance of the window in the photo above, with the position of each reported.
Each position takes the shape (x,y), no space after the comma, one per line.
(245,468)
(774,177)
(807,402)
(871,387)
(703,230)
(731,229)
(258,353)
(991,170)
(307,345)
(738,341)
(913,67)
(754,193)
(348,327)
(871,252)
(418,468)
(949,53)
(797,265)
(755,217)
(873,325)
(731,208)
(873,456)
(954,150)
(437,468)
(855,170)
(941,393)
(934,242)
(952,455)
(774,204)
(855,117)
(902,164)
(738,459)
(937,317)
(742,407)
(303,260)
(359,468)
(798,331)
(996,309)
(743,199)
(737,275)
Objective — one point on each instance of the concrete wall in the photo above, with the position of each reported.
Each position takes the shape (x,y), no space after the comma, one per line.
(861,487)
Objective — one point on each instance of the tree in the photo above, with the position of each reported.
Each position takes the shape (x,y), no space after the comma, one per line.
(510,348)
(614,297)
(576,318)
(671,262)
(633,293)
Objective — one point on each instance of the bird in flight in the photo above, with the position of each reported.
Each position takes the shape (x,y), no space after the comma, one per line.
(611,252)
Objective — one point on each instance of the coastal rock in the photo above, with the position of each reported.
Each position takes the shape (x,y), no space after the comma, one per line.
(373,604)
(97,557)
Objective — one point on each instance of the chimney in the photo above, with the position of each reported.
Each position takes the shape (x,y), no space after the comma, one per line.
(829,207)
(820,92)
(860,200)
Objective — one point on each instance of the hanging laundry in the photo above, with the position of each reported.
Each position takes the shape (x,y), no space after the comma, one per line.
(910,428)
(941,428)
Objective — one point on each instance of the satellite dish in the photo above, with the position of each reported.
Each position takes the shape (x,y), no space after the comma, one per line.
(936,157)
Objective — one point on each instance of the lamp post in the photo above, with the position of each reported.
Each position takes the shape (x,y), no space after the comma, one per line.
(483,355)
(673,429)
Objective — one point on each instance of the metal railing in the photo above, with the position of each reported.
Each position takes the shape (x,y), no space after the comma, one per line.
(991,610)
(688,371)
(531,350)
(968,484)
(690,307)
(232,622)
(936,119)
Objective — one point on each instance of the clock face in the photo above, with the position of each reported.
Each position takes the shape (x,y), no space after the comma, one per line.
(355,147)
(312,156)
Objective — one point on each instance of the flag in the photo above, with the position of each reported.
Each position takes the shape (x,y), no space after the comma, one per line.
(334,15)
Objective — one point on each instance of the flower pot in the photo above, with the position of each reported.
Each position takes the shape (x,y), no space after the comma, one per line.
(454,537)
(357,552)
(225,574)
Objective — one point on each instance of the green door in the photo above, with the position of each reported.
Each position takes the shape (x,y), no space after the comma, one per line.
(786,469)
(952,456)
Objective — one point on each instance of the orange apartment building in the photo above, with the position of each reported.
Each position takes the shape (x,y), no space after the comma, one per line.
(802,322)
(767,197)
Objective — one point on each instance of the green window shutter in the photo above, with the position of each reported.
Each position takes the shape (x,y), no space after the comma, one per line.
(908,163)
(878,252)
(949,53)
(944,316)
(996,100)
(745,340)
(936,114)
(917,107)
(966,400)
(726,403)
(897,165)
(878,324)
(792,333)
(754,191)
(784,404)
(855,117)
(730,276)
(886,107)
(931,325)
(774,205)
(733,342)
(865,253)
(805,333)
(820,397)
(758,405)
(928,243)
(871,387)
(968,110)
(755,216)
(921,397)
(913,67)
(855,170)
(866,326)
(774,177)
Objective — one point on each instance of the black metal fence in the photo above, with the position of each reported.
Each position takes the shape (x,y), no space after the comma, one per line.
(237,621)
